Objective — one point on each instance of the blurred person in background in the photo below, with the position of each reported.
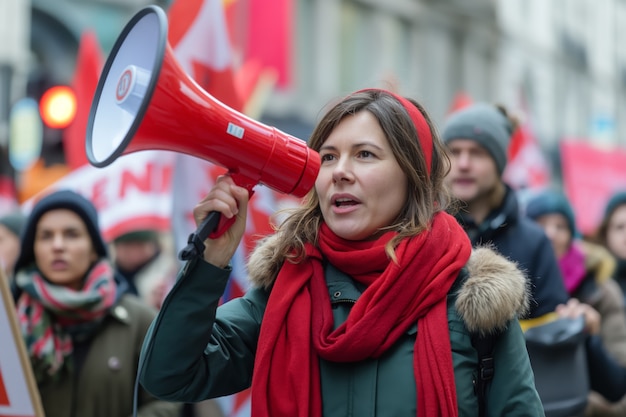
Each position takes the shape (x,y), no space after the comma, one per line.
(82,331)
(612,233)
(11,226)
(587,270)
(146,260)
(478,138)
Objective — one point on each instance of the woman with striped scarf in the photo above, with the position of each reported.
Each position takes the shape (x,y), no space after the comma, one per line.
(83,332)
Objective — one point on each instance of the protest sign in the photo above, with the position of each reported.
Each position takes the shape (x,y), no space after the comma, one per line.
(19,396)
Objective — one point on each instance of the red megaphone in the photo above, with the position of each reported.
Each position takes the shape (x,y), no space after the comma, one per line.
(145,101)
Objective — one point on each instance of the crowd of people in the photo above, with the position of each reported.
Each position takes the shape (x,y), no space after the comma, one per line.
(568,277)
(84,306)
(402,285)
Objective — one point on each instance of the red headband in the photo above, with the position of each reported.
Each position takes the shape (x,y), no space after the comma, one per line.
(420,123)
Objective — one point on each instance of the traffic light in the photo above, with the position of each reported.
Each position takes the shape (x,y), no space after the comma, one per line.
(57,107)
(55,32)
(53,46)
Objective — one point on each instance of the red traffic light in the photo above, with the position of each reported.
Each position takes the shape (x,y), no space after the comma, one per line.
(58,107)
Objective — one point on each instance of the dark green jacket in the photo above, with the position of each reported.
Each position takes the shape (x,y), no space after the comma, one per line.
(201,351)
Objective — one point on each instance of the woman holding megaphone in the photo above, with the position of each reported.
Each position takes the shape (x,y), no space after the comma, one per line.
(365,299)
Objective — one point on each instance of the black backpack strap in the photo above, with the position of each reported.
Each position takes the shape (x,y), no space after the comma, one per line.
(484,345)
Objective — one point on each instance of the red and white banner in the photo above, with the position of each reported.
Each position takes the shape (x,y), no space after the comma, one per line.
(133,192)
(590,176)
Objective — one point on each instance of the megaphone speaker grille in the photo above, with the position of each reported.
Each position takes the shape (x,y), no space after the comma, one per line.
(126,85)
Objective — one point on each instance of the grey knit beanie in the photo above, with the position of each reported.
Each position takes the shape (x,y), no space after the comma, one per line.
(485,124)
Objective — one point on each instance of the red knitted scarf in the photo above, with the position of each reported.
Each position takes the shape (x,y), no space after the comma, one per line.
(297,327)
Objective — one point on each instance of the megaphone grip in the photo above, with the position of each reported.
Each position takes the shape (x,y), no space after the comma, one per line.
(195,242)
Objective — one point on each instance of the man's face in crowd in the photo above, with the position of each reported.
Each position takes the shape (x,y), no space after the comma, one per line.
(473,174)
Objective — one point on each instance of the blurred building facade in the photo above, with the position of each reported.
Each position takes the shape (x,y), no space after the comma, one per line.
(14,32)
(559,61)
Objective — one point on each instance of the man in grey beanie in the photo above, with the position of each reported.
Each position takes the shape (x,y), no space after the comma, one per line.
(477,138)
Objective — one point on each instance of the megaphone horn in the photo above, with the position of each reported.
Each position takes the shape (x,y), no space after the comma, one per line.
(145,101)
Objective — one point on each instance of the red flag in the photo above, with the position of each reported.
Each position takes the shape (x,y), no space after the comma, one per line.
(262,31)
(199,38)
(461,100)
(527,167)
(89,65)
(270,34)
(254,84)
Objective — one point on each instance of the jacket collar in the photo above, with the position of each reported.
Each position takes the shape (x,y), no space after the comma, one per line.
(506,214)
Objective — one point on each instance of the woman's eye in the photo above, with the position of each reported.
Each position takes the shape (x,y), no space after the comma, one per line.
(43,236)
(366,154)
(326,157)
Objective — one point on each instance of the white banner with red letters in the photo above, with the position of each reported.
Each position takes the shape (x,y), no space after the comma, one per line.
(133,192)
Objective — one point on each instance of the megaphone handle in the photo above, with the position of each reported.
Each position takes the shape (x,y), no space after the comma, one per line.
(195,242)
(213,225)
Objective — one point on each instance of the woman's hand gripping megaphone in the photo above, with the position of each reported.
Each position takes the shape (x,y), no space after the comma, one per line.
(224,206)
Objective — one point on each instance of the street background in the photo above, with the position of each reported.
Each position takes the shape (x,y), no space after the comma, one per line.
(557,64)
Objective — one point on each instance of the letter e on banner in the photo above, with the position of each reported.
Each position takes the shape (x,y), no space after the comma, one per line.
(19,396)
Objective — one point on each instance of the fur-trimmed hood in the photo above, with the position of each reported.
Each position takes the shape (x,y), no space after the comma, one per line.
(261,271)
(495,292)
